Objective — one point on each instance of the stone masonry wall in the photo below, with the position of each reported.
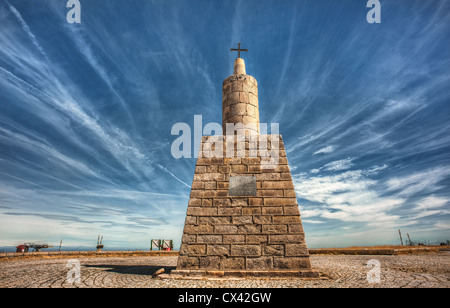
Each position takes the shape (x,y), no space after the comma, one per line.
(240,101)
(258,232)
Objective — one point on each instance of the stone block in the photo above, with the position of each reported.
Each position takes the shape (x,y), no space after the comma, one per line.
(200,169)
(206,202)
(198,185)
(243,98)
(296,250)
(230,211)
(232,263)
(198,229)
(189,238)
(286,238)
(195,202)
(188,262)
(225,229)
(191,220)
(251,211)
(245,250)
(238,201)
(202,211)
(210,185)
(210,262)
(222,202)
(249,229)
(239,169)
(275,229)
(280,201)
(271,193)
(262,219)
(234,238)
(232,98)
(237,86)
(209,238)
(292,210)
(291,263)
(239,109)
(214,220)
(296,228)
(255,201)
(274,250)
(218,250)
(286,219)
(193,250)
(253,99)
(289,193)
(272,210)
(223,185)
(255,238)
(241,220)
(278,184)
(261,263)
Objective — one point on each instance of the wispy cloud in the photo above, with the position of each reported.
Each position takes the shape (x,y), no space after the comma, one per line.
(27,30)
(325,150)
(432,202)
(427,181)
(338,165)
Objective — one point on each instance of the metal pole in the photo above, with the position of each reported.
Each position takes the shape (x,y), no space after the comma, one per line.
(401,240)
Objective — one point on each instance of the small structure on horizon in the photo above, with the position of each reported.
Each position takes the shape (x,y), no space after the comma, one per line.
(99,246)
(36,247)
(166,245)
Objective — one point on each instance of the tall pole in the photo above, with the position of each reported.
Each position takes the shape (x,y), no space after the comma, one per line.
(410,243)
(60,243)
(401,240)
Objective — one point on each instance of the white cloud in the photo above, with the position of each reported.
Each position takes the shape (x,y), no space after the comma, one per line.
(442,225)
(313,221)
(321,188)
(432,202)
(27,29)
(338,165)
(376,169)
(325,150)
(306,213)
(348,196)
(425,181)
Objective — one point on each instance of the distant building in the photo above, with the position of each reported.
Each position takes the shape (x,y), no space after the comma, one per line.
(22,248)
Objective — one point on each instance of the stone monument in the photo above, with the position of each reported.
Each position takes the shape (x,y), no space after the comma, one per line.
(243,218)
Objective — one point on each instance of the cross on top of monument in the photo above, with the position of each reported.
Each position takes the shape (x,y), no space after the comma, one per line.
(238,50)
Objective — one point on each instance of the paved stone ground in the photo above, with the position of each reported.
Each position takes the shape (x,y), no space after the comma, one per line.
(422,271)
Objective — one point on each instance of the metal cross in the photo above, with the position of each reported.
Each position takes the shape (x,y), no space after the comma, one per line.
(238,50)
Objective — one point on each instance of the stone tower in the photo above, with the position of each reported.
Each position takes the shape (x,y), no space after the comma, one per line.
(240,99)
(243,218)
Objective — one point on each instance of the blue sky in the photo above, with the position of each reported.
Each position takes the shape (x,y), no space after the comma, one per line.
(87,110)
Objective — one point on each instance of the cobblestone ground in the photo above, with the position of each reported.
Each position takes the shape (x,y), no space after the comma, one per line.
(423,271)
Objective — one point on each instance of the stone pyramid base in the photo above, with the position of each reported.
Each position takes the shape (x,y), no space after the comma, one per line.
(243,218)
